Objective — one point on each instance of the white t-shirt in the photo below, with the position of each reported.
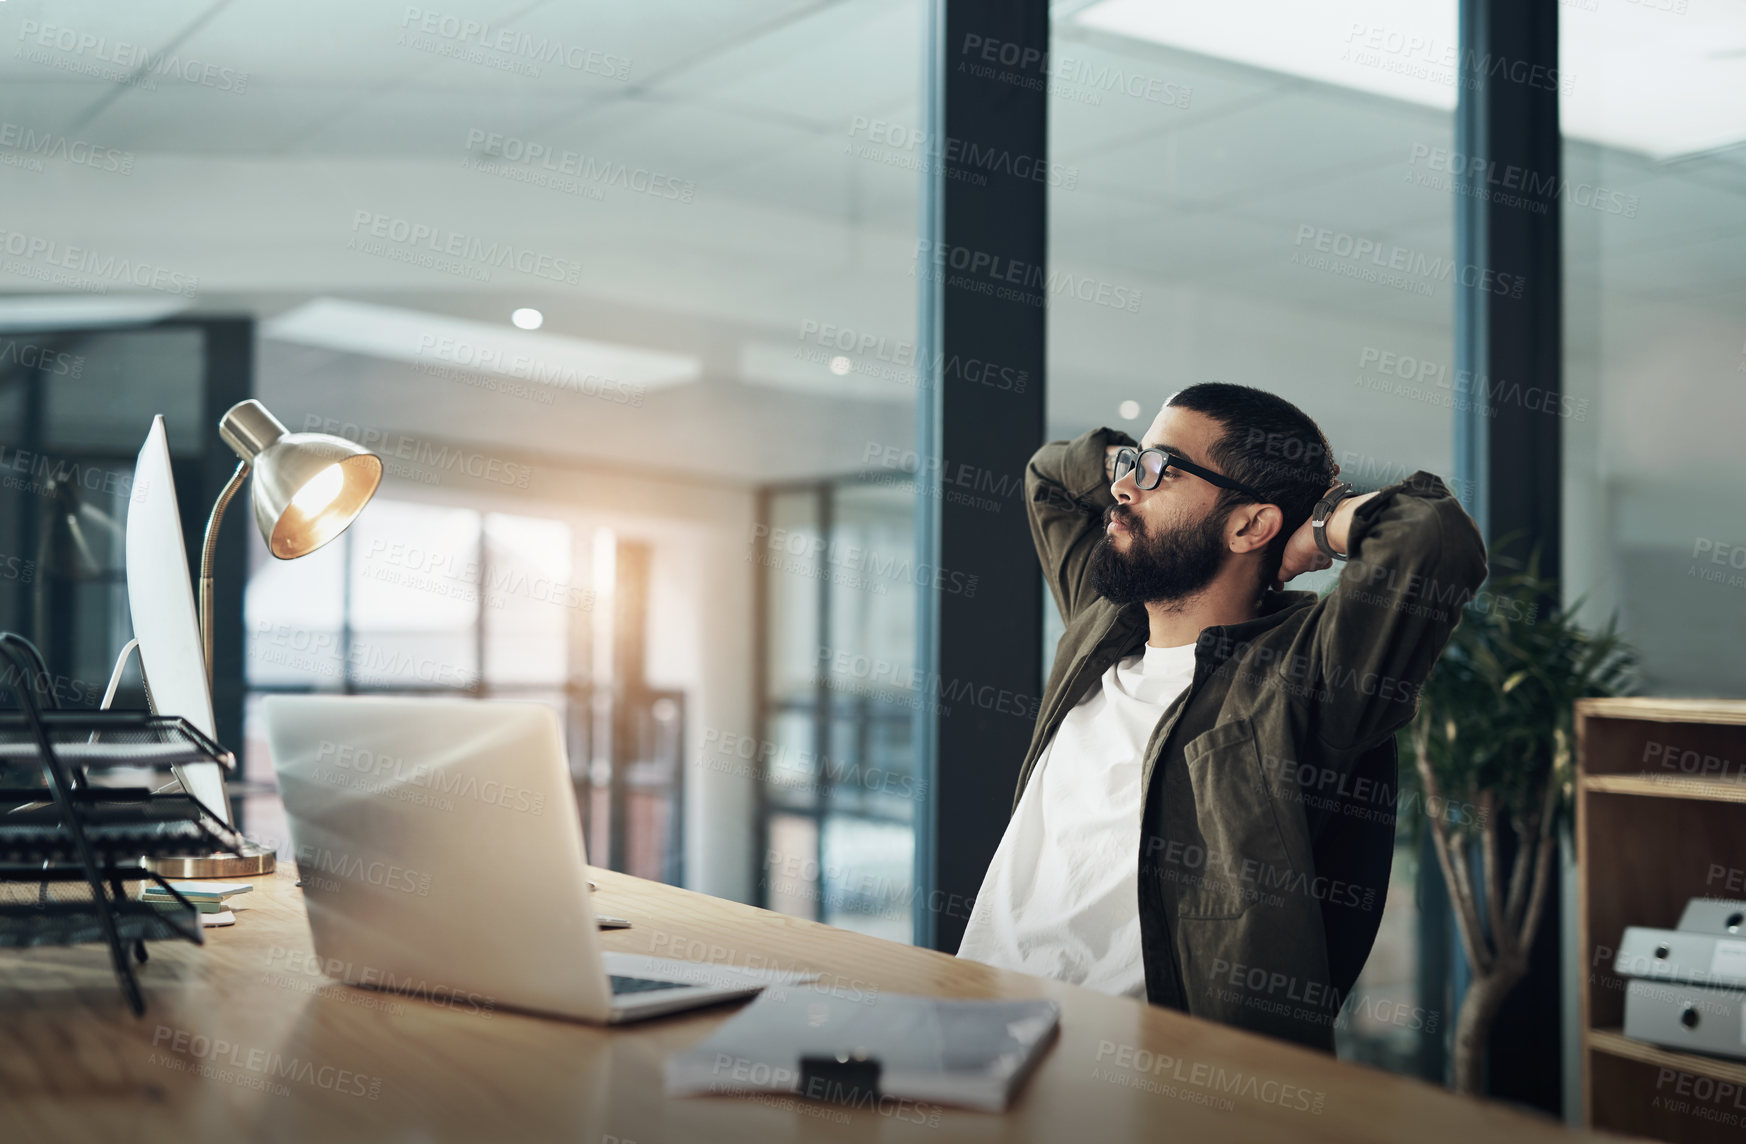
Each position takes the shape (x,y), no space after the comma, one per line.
(1061,898)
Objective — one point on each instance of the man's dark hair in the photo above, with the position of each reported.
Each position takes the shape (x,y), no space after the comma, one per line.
(1270,445)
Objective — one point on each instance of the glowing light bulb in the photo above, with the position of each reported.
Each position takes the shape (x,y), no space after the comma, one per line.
(320,491)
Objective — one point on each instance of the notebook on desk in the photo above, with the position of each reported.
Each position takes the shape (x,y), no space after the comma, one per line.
(973,1054)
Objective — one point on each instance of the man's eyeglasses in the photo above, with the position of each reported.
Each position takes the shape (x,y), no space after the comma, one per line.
(1150,465)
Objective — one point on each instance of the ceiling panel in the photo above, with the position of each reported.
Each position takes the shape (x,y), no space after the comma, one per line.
(1274,144)
(886,184)
(1380,196)
(1403,274)
(662,38)
(1673,209)
(422,117)
(53,106)
(824,70)
(1104,91)
(187,119)
(1691,271)
(335,42)
(1591,163)
(93,40)
(569,46)
(814,175)
(1173,244)
(690,140)
(1422,300)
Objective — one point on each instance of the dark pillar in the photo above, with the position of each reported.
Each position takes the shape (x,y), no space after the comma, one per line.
(980,269)
(1509,340)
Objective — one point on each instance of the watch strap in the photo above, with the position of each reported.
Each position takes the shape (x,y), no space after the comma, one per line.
(1319,517)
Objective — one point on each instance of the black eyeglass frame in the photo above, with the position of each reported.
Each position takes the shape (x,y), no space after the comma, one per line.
(1133,457)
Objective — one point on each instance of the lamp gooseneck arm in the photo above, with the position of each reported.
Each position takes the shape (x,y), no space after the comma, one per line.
(208,552)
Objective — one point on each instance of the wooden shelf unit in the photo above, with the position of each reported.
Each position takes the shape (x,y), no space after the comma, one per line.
(1660,819)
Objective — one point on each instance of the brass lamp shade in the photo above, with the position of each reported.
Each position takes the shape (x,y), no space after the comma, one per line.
(307,486)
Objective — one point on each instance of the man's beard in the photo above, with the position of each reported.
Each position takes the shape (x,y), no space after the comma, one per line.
(1160,566)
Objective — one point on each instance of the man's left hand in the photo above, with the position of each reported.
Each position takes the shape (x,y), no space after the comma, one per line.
(1302,555)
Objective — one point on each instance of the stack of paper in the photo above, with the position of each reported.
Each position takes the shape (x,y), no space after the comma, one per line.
(207,897)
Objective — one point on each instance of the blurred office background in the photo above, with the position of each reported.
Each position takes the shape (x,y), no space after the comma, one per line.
(673,496)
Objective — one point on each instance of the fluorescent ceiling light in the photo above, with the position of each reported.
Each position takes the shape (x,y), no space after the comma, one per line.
(439,341)
(1637,77)
(81,311)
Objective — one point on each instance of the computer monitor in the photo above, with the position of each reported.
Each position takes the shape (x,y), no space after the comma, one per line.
(160,594)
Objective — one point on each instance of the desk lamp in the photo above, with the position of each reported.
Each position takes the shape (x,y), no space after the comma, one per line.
(308,487)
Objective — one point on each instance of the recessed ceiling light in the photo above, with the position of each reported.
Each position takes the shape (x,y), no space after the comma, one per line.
(776,364)
(527,318)
(1130,410)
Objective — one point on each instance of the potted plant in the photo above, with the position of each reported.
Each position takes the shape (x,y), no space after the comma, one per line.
(1493,735)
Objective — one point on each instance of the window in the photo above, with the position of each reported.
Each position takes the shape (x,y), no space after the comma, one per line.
(429,599)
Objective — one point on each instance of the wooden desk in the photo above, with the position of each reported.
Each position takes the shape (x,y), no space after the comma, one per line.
(371,1066)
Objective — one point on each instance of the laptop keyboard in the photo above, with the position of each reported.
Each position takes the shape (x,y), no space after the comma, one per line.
(623,985)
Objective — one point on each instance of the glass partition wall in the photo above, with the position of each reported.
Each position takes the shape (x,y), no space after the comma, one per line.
(1267,187)
(1654,201)
(1655,333)
(587,275)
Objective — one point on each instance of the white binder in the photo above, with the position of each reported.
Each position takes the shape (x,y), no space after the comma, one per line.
(1689,1018)
(1676,955)
(1714,915)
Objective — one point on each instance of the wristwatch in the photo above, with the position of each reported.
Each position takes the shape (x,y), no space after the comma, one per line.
(1323,510)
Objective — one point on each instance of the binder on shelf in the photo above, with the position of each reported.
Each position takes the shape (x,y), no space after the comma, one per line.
(1689,958)
(1714,915)
(973,1054)
(1692,1019)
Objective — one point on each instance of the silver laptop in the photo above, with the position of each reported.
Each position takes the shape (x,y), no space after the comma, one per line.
(441,855)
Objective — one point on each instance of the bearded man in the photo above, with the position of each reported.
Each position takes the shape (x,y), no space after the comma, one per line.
(1205,817)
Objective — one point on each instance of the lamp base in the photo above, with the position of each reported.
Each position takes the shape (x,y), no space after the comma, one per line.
(255,859)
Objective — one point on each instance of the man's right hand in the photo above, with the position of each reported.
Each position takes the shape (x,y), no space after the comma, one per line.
(1109,456)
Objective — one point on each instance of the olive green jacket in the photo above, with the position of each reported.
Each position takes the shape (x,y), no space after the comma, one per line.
(1267,828)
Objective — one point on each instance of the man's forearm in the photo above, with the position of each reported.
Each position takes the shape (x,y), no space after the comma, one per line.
(1416,560)
(1339,527)
(1067,489)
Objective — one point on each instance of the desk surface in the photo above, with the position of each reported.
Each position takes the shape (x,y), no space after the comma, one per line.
(361,1065)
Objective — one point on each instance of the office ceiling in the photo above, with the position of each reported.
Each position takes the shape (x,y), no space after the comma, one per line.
(306,125)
